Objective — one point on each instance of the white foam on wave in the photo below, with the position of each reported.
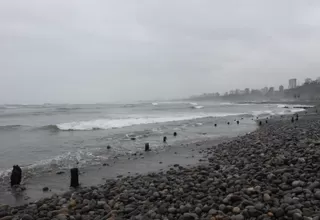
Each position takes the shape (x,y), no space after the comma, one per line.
(297,110)
(226,103)
(291,111)
(302,106)
(265,112)
(174,103)
(4,173)
(294,106)
(67,160)
(287,111)
(105,124)
(231,103)
(198,107)
(119,123)
(282,106)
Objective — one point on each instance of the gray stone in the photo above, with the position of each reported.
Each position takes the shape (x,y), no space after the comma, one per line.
(266,197)
(13,211)
(61,217)
(297,183)
(85,209)
(213,212)
(32,206)
(222,207)
(3,214)
(44,207)
(162,209)
(317,195)
(236,210)
(101,203)
(198,210)
(156,194)
(27,217)
(237,217)
(129,209)
(314,185)
(293,211)
(9,217)
(3,207)
(183,209)
(297,216)
(85,217)
(92,204)
(189,216)
(206,208)
(279,212)
(259,206)
(62,201)
(254,212)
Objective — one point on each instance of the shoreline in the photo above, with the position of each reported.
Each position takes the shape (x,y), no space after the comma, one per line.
(271,173)
(185,154)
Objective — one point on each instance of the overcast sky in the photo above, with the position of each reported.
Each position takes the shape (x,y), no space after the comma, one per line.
(86,51)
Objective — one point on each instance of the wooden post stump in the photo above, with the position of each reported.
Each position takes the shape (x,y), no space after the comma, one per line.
(147,147)
(164,139)
(16,176)
(74,178)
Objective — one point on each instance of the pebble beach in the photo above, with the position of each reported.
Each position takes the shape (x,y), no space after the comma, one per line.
(271,173)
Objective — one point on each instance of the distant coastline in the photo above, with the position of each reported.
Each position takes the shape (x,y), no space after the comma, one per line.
(309,92)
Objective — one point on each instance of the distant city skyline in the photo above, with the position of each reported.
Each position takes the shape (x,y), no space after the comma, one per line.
(291,84)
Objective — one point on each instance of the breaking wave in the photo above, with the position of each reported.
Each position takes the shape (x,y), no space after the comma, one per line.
(197,107)
(294,106)
(263,113)
(287,111)
(104,124)
(119,123)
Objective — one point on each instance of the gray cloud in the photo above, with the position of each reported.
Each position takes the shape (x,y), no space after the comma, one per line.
(119,50)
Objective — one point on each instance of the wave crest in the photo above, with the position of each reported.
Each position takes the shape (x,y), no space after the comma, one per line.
(104,124)
(197,107)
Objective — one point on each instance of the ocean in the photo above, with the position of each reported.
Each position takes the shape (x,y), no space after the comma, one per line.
(43,138)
